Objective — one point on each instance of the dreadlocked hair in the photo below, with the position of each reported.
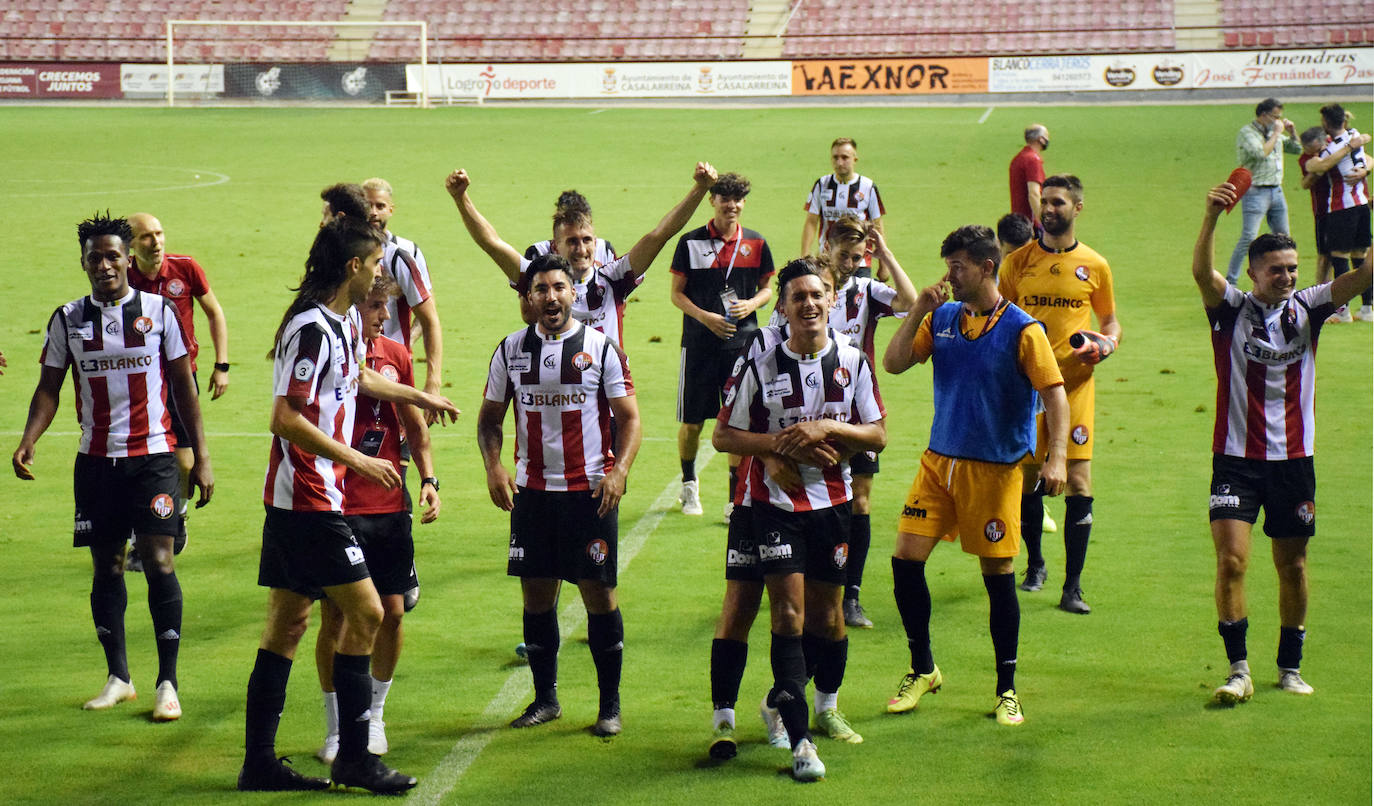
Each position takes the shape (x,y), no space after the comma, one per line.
(98,225)
(337,242)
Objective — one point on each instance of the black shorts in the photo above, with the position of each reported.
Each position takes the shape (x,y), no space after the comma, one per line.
(864,463)
(114,497)
(814,543)
(1319,234)
(1348,230)
(557,535)
(179,429)
(741,555)
(388,549)
(306,552)
(702,374)
(1286,489)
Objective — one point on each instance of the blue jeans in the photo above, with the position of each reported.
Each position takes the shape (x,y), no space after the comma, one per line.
(1258,203)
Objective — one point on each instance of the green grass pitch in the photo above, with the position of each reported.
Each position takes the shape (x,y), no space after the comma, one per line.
(1115,701)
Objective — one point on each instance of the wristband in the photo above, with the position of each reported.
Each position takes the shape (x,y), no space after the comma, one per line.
(222,367)
(431,481)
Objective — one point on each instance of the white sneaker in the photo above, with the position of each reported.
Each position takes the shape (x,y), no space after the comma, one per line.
(1237,688)
(168,707)
(1342,314)
(690,498)
(330,750)
(1366,314)
(115,692)
(772,723)
(806,765)
(729,510)
(376,735)
(1292,682)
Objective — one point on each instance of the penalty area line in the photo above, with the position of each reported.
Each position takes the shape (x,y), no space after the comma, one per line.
(518,686)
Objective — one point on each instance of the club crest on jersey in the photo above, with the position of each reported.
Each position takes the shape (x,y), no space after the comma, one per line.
(304,369)
(841,377)
(840,557)
(176,288)
(582,361)
(746,250)
(1079,435)
(162,505)
(995,530)
(389,372)
(597,551)
(1081,273)
(1307,512)
(143,325)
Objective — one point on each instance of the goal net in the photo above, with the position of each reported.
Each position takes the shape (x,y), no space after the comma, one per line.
(295,61)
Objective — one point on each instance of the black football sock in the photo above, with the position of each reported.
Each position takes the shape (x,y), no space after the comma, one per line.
(164,603)
(734,482)
(354,686)
(811,651)
(1078,526)
(1233,637)
(606,639)
(541,643)
(912,593)
(833,655)
(689,470)
(1367,295)
(1033,527)
(1004,622)
(266,699)
(1290,647)
(728,659)
(789,685)
(860,537)
(109,598)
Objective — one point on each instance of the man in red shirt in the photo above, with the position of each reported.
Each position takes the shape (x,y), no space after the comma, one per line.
(180,279)
(1027,174)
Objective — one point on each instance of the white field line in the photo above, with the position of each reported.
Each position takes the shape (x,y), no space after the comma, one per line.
(518,686)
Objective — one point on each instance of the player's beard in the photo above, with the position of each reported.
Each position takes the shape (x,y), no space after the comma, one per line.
(1054,224)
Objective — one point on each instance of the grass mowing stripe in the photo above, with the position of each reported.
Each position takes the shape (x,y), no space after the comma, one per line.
(450,769)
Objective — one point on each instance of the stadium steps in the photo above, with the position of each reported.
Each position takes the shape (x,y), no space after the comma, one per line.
(766,20)
(1197,24)
(353,44)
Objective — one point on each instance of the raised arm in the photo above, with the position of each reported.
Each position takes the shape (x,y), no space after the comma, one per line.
(899,355)
(901,283)
(1320,165)
(482,232)
(642,254)
(1210,283)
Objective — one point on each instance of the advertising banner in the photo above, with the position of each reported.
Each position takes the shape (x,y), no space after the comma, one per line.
(355,82)
(604,80)
(58,80)
(889,76)
(1284,68)
(149,80)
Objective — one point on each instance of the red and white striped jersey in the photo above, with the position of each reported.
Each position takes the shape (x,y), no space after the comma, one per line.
(1266,363)
(859,306)
(412,275)
(599,298)
(604,255)
(830,198)
(562,385)
(777,388)
(118,353)
(1344,195)
(317,361)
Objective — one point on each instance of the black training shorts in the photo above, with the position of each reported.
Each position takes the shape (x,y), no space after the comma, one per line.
(1286,489)
(116,496)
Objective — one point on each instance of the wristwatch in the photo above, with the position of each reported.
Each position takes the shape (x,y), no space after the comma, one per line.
(431,481)
(222,367)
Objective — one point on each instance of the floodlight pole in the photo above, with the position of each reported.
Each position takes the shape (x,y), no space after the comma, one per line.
(170,82)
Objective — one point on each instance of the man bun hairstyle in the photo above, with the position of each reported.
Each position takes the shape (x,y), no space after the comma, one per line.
(326,268)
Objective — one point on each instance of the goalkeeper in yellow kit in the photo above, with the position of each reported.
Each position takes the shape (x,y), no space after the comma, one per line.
(1064,284)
